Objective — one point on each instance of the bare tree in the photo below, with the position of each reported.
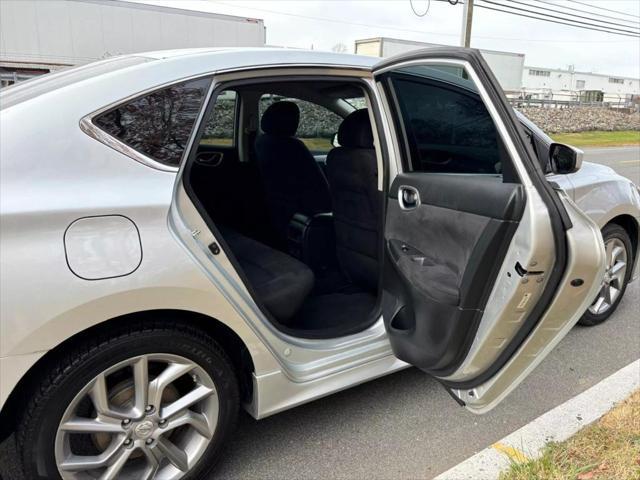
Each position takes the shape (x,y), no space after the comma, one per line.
(339,48)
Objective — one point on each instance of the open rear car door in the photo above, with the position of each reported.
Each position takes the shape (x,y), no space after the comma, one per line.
(486,265)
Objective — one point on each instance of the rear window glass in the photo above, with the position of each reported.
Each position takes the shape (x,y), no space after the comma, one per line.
(158,124)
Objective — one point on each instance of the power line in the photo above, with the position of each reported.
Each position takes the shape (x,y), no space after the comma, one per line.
(547,15)
(543,19)
(400,29)
(547,9)
(602,8)
(635,22)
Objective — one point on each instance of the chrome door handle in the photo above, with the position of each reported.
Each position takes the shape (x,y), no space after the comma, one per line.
(408,197)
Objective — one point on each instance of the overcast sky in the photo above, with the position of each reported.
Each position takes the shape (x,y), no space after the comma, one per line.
(544,44)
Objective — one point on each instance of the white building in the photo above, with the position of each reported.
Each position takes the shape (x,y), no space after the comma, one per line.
(506,66)
(38,36)
(565,83)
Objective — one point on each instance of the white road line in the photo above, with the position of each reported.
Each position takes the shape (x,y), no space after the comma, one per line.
(555,425)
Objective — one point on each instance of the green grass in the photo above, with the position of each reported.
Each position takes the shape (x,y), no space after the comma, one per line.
(607,450)
(599,139)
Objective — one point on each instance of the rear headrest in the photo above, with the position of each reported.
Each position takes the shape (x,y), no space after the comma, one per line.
(281,118)
(355,130)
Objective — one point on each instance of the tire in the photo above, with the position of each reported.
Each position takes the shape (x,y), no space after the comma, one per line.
(617,236)
(144,344)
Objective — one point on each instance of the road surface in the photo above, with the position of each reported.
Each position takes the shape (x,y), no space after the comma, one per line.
(624,160)
(405,426)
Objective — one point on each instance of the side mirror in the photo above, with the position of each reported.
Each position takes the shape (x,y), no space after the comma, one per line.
(334,140)
(565,158)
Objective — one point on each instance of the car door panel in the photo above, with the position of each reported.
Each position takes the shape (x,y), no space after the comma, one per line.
(473,218)
(473,268)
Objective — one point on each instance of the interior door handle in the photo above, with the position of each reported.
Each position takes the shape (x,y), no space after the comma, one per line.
(408,197)
(210,159)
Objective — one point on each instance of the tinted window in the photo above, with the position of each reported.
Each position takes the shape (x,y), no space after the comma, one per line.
(158,124)
(447,127)
(317,124)
(220,129)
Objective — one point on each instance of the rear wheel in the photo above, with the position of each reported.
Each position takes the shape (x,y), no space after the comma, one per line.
(155,402)
(619,258)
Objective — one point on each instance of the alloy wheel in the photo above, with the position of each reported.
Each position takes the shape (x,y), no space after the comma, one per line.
(151,416)
(614,277)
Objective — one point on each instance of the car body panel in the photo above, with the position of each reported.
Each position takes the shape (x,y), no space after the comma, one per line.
(53,173)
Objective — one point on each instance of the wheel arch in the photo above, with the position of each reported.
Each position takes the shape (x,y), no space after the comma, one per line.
(228,340)
(630,225)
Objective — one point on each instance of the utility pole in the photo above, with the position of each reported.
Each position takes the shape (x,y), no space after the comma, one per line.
(467,18)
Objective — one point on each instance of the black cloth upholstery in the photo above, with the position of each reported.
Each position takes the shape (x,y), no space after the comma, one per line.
(281,119)
(355,130)
(280,281)
(353,179)
(293,181)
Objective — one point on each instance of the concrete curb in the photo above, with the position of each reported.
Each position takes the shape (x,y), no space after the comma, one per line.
(555,425)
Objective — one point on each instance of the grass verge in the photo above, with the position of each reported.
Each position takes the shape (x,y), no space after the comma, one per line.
(607,449)
(599,139)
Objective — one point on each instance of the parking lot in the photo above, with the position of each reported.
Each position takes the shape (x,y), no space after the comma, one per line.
(405,425)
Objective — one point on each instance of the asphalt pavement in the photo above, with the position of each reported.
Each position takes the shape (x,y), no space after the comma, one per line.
(624,160)
(405,426)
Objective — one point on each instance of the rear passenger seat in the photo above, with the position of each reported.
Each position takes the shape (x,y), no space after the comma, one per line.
(280,281)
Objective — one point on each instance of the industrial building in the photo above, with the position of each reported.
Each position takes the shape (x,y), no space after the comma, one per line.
(42,36)
(565,84)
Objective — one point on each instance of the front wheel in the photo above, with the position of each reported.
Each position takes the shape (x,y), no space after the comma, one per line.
(153,402)
(619,258)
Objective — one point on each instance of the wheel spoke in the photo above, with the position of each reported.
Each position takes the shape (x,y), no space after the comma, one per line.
(170,374)
(609,253)
(616,251)
(100,398)
(617,272)
(598,304)
(91,425)
(175,455)
(612,294)
(194,396)
(141,384)
(196,420)
(154,457)
(118,462)
(76,463)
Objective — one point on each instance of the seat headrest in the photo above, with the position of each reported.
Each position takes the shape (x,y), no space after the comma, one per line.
(355,130)
(281,118)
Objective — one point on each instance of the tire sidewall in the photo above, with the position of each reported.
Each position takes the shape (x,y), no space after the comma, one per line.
(38,452)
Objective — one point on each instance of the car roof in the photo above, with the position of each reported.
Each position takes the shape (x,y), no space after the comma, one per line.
(263,56)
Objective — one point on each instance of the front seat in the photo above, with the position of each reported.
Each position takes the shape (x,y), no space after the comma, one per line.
(352,171)
(293,181)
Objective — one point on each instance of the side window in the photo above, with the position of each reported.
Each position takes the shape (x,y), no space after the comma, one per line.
(317,126)
(220,128)
(446,125)
(158,124)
